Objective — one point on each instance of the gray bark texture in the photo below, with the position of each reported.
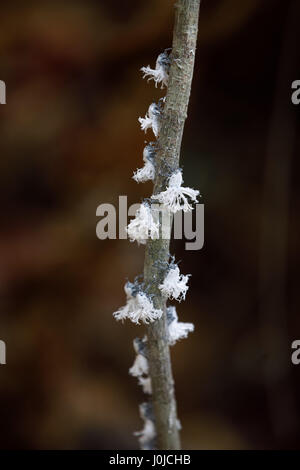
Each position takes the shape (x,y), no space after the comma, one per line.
(157,251)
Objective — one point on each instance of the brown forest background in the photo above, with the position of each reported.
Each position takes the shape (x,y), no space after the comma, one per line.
(69,141)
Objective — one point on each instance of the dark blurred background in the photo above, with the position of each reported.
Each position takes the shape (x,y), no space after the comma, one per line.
(70,140)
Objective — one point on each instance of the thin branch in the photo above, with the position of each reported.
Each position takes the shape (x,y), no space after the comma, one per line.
(157,251)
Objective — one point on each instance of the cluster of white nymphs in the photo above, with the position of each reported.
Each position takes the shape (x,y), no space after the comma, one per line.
(176,197)
(148,171)
(140,369)
(139,307)
(143,226)
(161,72)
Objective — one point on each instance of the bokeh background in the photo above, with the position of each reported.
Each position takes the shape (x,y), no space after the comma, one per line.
(69,140)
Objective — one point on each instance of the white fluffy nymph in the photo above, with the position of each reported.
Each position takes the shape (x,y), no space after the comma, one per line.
(140,366)
(148,171)
(175,284)
(124,312)
(176,197)
(177,330)
(148,433)
(144,311)
(138,308)
(146,384)
(151,120)
(143,226)
(161,72)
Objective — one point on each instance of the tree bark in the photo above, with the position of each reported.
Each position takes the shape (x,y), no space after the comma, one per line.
(157,251)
